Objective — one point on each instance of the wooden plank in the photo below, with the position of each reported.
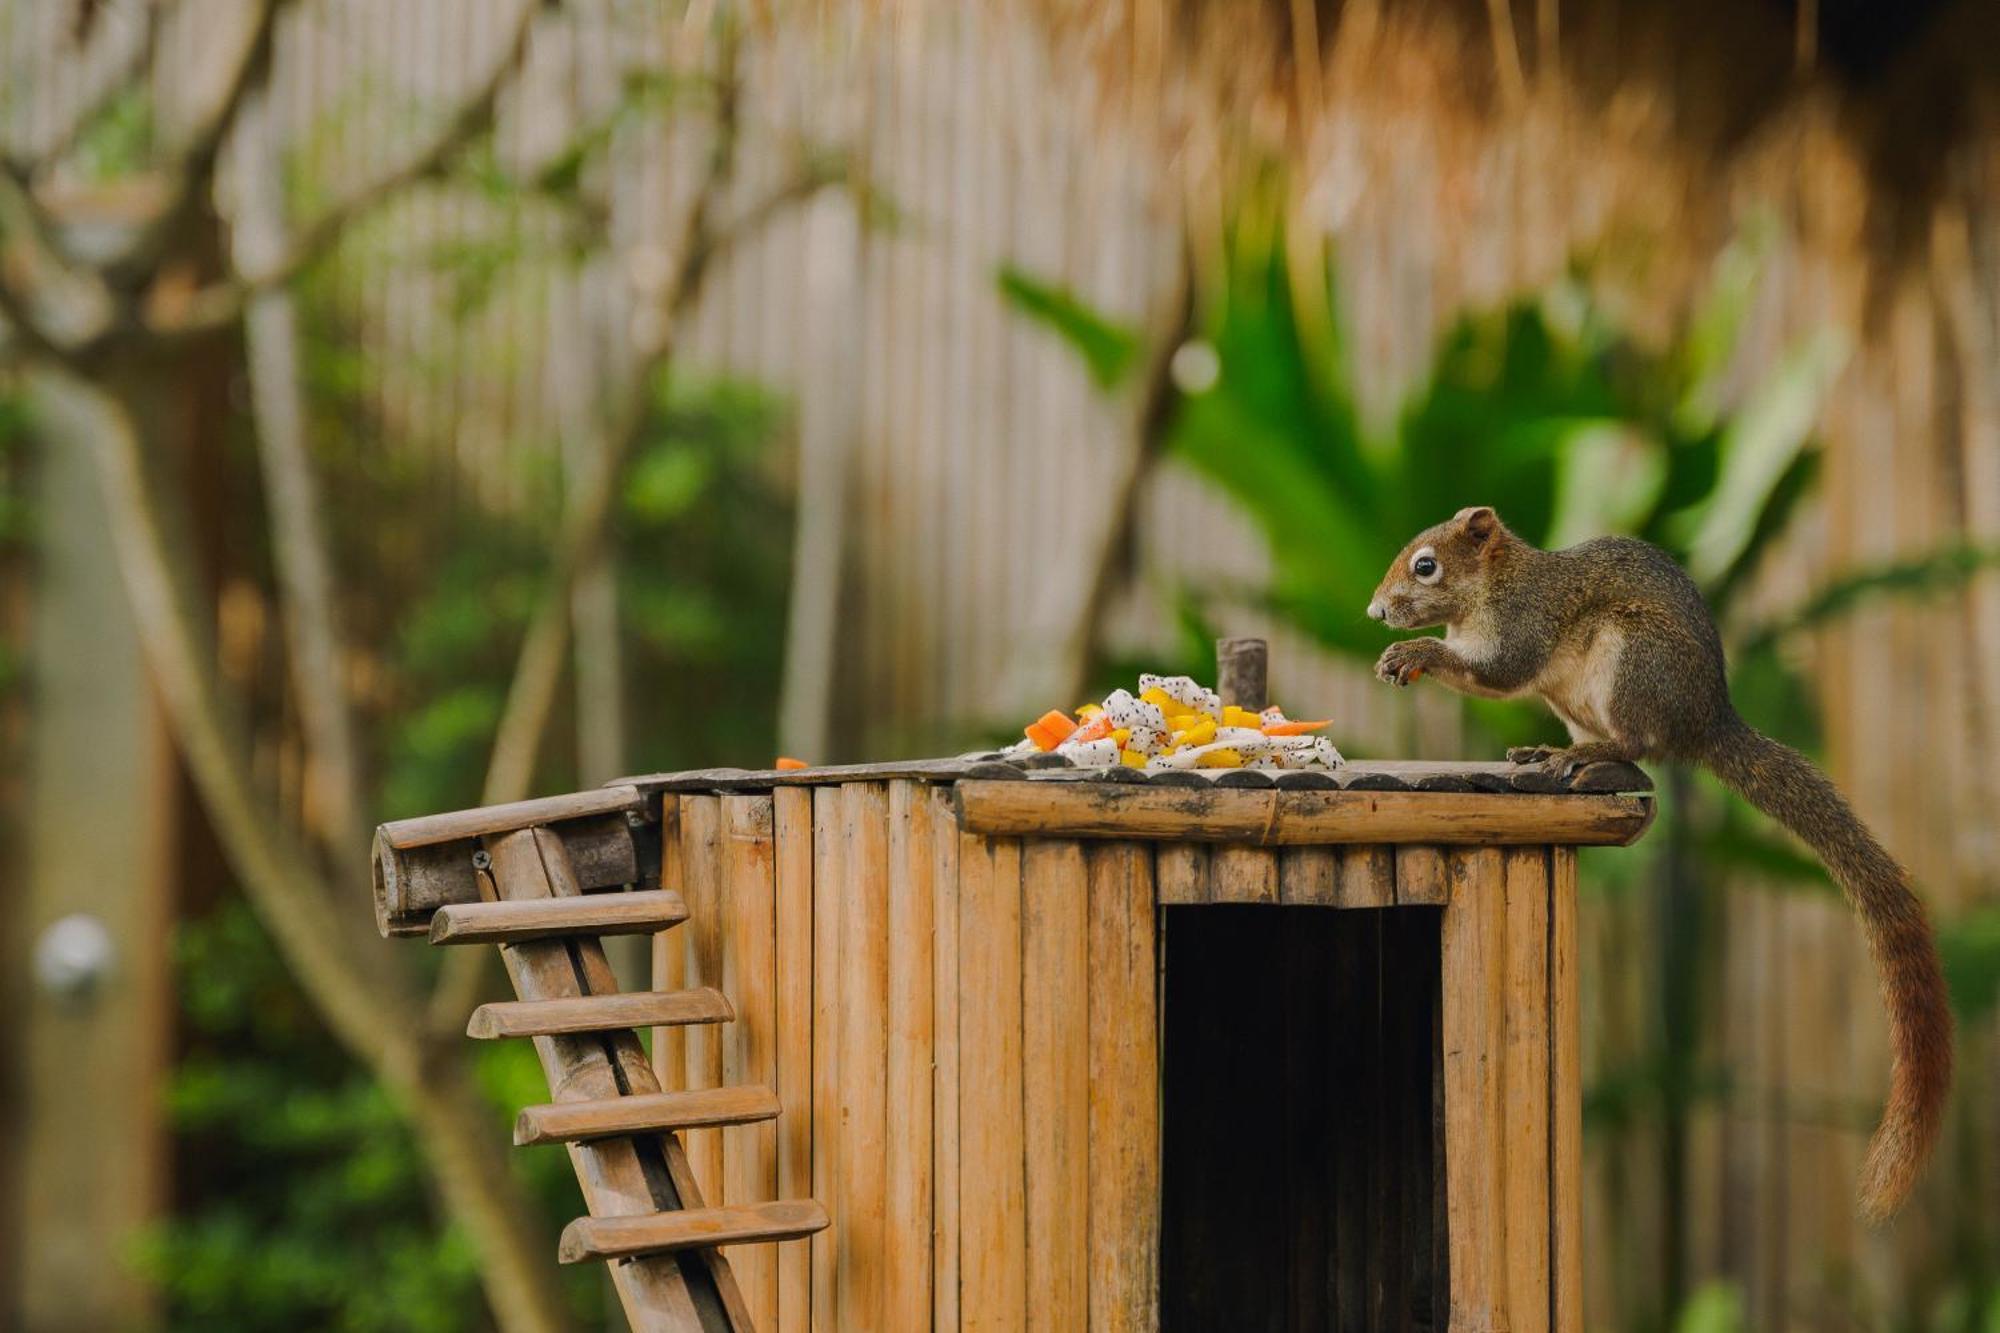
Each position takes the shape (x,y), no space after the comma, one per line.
(945,1092)
(1421,879)
(547,918)
(750,1049)
(1182,869)
(863,968)
(670,953)
(1366,876)
(823,775)
(598,1013)
(1474,960)
(1055,1080)
(702,872)
(792,820)
(1524,1086)
(906,1242)
(1380,774)
(425,830)
(1566,1090)
(574,1122)
(1286,818)
(1238,874)
(1308,876)
(687,1228)
(1124,1068)
(829,899)
(615,1175)
(992,1208)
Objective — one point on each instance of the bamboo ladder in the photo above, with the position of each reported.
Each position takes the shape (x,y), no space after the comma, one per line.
(646,1218)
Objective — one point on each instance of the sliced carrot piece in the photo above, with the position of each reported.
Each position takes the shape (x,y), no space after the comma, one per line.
(786,763)
(1294,728)
(1061,723)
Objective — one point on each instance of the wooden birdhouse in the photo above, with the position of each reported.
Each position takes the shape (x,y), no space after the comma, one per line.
(970,1043)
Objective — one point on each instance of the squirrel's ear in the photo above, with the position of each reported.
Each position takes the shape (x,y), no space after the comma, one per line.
(1478,523)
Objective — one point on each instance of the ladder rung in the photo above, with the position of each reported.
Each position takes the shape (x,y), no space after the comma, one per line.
(638,913)
(599,1013)
(688,1228)
(653,1112)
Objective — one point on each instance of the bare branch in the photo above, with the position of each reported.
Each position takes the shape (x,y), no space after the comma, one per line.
(221,304)
(24,332)
(21,288)
(298,537)
(119,80)
(193,172)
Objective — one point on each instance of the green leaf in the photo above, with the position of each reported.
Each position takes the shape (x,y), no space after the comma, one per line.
(1108,348)
(1944,570)
(1709,343)
(1716,1307)
(1759,444)
(1970,946)
(1609,480)
(1787,497)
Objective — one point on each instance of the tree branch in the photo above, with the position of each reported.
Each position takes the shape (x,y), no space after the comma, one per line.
(343,971)
(221,304)
(23,219)
(64,141)
(193,173)
(300,548)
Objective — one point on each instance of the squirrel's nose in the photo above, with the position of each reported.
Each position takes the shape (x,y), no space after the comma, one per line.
(1377,611)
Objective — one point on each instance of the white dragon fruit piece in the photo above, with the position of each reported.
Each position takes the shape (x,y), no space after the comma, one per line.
(1100,753)
(1128,712)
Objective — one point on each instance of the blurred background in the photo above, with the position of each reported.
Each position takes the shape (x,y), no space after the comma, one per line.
(404,407)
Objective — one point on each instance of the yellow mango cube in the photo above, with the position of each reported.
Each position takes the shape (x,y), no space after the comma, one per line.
(1223,758)
(1131,759)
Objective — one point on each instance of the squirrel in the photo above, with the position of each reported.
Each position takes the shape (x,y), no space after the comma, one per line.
(1614,636)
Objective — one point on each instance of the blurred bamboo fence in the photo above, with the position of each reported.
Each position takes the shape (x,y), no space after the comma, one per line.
(972,453)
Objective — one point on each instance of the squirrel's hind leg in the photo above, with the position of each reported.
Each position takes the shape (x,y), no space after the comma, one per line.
(1567,759)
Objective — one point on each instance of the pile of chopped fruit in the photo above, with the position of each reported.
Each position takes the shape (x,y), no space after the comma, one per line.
(1175,723)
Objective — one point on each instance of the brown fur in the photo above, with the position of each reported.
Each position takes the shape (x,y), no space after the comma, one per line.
(1614,637)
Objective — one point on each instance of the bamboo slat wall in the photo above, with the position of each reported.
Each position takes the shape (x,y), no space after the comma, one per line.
(972,447)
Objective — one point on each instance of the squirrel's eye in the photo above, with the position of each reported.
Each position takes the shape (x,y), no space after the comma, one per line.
(1424,567)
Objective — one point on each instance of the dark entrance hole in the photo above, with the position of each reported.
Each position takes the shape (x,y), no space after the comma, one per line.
(1303,1176)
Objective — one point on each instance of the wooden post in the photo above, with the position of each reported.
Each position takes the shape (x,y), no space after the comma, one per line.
(1242,673)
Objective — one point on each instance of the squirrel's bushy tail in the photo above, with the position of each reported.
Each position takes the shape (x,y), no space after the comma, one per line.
(1785,785)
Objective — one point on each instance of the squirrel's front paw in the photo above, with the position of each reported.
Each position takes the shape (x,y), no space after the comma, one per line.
(1403,663)
(1532,754)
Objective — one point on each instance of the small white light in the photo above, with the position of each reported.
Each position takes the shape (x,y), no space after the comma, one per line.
(73,956)
(1195,367)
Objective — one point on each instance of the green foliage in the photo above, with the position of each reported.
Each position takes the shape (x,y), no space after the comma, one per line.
(1971,949)
(1714,1308)
(305,1201)
(705,562)
(1107,347)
